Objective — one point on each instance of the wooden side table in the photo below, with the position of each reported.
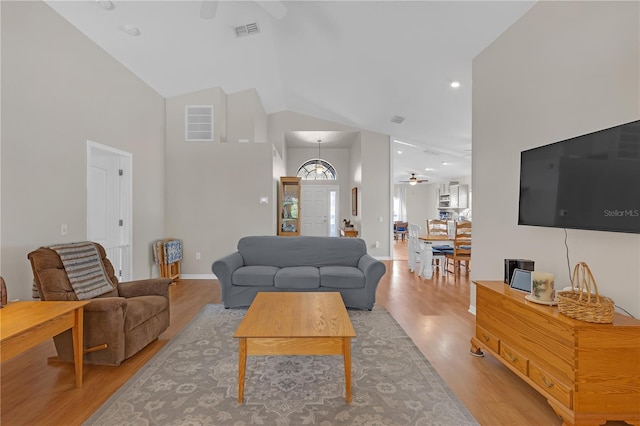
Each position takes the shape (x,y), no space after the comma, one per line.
(24,325)
(348,232)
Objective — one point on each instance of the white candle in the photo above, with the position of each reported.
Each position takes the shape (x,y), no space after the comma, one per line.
(542,286)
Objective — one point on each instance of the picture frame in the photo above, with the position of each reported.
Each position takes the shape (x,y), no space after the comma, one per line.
(354,201)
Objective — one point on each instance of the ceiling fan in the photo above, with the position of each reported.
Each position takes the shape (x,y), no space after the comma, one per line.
(277,9)
(414,180)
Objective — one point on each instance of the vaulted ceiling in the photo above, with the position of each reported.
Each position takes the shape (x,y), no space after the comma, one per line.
(359,63)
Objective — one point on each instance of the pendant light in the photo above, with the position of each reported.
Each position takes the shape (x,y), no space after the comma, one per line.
(319,166)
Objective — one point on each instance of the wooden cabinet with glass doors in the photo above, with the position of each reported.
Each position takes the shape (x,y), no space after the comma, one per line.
(289,206)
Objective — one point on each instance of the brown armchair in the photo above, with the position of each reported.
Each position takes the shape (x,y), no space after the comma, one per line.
(117,324)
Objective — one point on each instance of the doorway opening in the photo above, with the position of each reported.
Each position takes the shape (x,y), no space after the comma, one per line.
(109,205)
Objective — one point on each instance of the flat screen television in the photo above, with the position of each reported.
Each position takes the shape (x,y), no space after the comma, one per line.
(586,182)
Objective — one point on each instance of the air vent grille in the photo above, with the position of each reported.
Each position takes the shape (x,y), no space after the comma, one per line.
(397,119)
(199,123)
(245,30)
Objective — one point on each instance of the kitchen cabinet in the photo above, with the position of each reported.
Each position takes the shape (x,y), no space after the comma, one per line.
(453,197)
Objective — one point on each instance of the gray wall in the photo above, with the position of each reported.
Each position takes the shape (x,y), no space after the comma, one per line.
(213,189)
(564,69)
(58,91)
(374,193)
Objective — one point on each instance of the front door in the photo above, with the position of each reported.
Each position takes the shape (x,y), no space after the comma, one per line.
(319,206)
(314,220)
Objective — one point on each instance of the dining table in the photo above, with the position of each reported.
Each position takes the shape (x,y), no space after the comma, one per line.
(425,248)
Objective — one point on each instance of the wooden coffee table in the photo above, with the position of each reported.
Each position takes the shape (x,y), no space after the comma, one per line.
(26,324)
(295,323)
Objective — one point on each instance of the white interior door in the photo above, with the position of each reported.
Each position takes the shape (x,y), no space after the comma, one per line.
(318,210)
(109,184)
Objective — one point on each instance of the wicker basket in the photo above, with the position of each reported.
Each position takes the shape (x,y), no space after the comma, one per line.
(580,303)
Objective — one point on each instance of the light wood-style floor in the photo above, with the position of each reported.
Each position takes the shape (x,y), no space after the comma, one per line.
(434,313)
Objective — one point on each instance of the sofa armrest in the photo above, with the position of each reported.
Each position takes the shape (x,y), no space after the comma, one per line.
(373,271)
(146,287)
(371,267)
(223,269)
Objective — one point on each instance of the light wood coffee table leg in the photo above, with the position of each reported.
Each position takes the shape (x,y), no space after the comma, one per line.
(242,365)
(346,342)
(78,352)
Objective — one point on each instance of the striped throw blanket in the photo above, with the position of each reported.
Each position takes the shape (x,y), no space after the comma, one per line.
(84,268)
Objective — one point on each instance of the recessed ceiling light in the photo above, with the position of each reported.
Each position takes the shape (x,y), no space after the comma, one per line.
(444,163)
(399,152)
(455,84)
(104,4)
(406,143)
(132,30)
(428,169)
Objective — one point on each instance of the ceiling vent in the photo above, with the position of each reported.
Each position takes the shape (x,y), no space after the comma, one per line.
(397,119)
(245,30)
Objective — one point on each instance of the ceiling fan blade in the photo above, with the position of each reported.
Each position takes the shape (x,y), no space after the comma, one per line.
(208,9)
(274,8)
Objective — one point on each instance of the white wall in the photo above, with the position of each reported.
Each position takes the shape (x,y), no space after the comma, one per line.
(563,70)
(419,197)
(58,91)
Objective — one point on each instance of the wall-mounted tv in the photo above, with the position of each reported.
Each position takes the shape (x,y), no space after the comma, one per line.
(586,182)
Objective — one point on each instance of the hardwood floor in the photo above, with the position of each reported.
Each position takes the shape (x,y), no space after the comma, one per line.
(432,312)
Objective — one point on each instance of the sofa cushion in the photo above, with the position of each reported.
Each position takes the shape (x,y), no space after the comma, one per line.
(301,251)
(298,277)
(256,276)
(341,277)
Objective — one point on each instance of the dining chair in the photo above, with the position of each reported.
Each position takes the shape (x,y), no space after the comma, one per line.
(461,247)
(437,227)
(413,248)
(400,230)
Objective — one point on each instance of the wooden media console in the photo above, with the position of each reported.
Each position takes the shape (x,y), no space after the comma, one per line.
(589,373)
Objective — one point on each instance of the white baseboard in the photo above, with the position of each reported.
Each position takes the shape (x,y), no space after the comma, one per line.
(472,309)
(198,276)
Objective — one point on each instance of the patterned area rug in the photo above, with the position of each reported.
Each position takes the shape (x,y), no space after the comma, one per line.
(193,381)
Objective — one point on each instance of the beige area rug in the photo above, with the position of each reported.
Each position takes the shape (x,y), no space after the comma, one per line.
(193,381)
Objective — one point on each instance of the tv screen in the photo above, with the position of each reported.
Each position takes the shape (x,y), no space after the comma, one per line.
(587,182)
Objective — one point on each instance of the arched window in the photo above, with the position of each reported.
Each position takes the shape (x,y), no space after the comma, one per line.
(311,171)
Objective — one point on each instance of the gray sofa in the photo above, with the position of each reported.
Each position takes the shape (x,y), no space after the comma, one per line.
(271,263)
